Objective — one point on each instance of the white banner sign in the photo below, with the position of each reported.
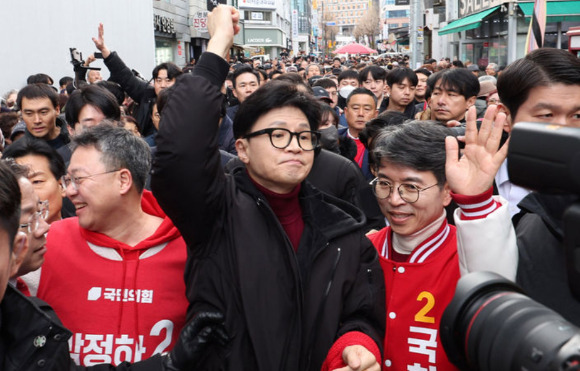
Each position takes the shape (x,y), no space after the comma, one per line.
(200,21)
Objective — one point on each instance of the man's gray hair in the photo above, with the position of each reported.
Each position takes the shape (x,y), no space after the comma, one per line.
(493,66)
(419,145)
(120,150)
(313,64)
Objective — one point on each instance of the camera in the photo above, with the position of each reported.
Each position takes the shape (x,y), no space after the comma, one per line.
(545,157)
(490,325)
(78,62)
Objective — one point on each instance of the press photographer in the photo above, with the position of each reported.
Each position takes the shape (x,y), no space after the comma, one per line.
(543,88)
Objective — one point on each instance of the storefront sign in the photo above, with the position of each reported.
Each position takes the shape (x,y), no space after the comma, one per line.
(199,21)
(263,37)
(402,2)
(261,4)
(468,7)
(163,24)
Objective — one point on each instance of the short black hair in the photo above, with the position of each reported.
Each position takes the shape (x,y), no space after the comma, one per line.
(419,145)
(32,146)
(65,80)
(362,90)
(172,70)
(541,67)
(10,199)
(93,95)
(275,94)
(378,73)
(39,78)
(348,74)
(398,75)
(325,83)
(244,69)
(37,91)
(374,126)
(294,78)
(114,89)
(459,80)
(423,71)
(458,64)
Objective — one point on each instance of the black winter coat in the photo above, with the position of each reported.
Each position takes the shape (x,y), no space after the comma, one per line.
(140,91)
(33,338)
(542,260)
(283,309)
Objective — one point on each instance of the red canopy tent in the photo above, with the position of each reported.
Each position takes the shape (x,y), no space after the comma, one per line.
(354,48)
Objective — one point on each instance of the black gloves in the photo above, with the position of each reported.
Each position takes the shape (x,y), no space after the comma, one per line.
(204,331)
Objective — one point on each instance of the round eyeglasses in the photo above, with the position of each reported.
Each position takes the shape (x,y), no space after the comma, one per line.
(77,180)
(409,192)
(34,219)
(281,138)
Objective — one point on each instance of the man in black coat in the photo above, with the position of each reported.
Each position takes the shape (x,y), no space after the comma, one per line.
(300,285)
(139,90)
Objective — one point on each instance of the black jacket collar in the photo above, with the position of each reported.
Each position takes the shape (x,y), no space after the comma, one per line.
(332,216)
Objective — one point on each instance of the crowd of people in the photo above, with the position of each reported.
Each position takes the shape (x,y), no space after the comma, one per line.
(297,214)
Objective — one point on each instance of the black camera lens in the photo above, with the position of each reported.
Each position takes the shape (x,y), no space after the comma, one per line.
(491,325)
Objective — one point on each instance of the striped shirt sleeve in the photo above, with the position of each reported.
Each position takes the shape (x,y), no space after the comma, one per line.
(476,207)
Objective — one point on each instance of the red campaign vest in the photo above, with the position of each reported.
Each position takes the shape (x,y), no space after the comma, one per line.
(417,293)
(117,310)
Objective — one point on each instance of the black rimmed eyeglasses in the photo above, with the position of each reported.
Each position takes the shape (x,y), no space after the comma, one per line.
(281,138)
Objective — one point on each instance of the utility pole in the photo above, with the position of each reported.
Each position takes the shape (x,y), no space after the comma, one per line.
(416,33)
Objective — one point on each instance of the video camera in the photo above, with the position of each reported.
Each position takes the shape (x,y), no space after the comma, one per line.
(490,324)
(78,62)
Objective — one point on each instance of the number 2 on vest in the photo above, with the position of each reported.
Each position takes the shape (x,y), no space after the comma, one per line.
(421,315)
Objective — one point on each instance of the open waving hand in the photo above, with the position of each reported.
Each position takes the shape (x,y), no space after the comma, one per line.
(473,173)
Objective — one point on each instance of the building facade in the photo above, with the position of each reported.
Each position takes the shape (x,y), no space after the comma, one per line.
(395,15)
(172,33)
(495,31)
(303,41)
(38,38)
(267,26)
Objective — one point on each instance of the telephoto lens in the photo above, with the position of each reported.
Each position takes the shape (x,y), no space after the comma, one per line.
(490,325)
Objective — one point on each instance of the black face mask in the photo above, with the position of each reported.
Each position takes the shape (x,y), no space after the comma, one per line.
(329,138)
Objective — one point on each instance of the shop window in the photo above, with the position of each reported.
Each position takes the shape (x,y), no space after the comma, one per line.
(163,51)
(257,16)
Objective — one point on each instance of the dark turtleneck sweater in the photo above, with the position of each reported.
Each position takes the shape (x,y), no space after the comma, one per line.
(288,211)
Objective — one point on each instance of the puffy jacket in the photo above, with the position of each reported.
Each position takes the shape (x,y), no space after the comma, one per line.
(140,91)
(33,338)
(283,309)
(542,268)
